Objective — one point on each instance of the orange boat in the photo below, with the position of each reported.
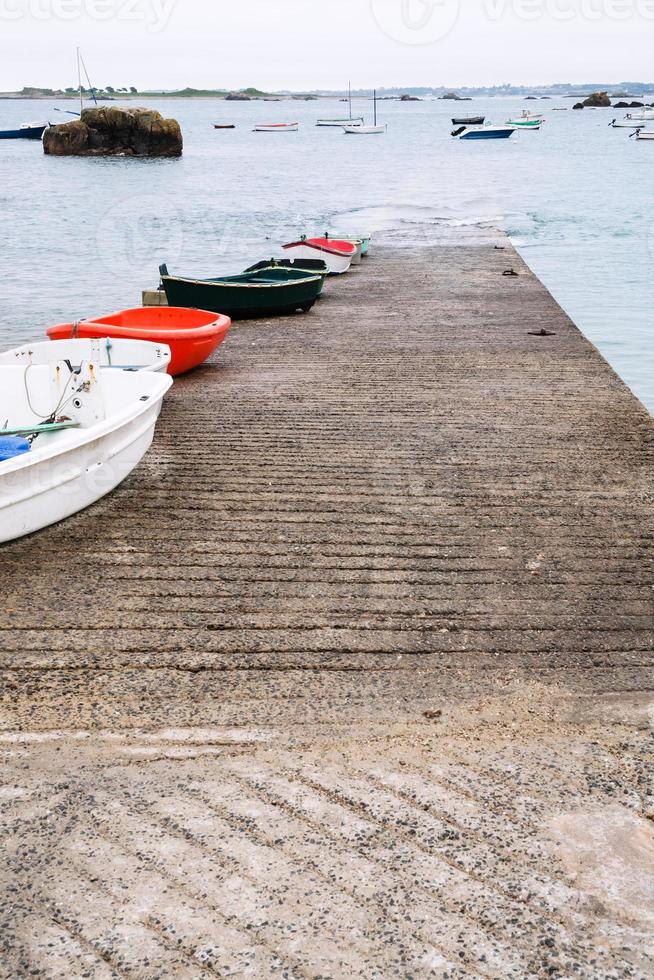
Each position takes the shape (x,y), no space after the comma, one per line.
(192,335)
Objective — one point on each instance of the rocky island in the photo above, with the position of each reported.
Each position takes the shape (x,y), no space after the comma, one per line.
(116,131)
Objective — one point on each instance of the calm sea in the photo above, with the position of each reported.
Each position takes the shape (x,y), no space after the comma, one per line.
(83,237)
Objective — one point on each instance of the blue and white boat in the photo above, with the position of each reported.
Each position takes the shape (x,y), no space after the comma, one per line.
(483,132)
(30,131)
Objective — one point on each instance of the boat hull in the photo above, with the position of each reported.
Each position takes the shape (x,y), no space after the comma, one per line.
(470,121)
(336,262)
(364,130)
(532,124)
(24,133)
(487,134)
(260,297)
(191,336)
(66,475)
(126,355)
(277,128)
(363,238)
(338,123)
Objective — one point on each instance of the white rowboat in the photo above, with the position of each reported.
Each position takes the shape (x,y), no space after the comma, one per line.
(108,352)
(353,121)
(79,434)
(337,261)
(277,128)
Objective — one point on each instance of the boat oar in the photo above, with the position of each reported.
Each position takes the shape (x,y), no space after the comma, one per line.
(66,112)
(635,132)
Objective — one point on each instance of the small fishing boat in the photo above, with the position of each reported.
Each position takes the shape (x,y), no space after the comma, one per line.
(364,238)
(70,437)
(644,134)
(108,352)
(251,294)
(357,242)
(337,253)
(469,121)
(643,115)
(224,126)
(277,128)
(363,130)
(339,123)
(280,267)
(350,121)
(626,123)
(192,335)
(528,124)
(29,131)
(484,133)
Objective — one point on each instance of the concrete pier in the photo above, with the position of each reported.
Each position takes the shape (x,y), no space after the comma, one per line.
(353,676)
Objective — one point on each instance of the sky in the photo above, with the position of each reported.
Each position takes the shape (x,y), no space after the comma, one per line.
(315,44)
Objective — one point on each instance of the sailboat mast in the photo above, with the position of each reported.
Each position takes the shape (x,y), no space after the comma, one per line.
(349,94)
(374,96)
(79,82)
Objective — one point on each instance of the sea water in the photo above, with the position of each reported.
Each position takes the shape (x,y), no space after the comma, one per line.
(84,236)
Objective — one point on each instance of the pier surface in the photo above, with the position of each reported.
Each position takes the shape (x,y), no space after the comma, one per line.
(353,676)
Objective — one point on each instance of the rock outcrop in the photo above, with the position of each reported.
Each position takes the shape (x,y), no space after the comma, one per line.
(598,100)
(116,131)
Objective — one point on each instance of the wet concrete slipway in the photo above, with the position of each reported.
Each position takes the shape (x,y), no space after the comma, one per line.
(353,676)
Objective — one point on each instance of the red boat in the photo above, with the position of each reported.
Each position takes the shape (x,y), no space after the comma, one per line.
(192,335)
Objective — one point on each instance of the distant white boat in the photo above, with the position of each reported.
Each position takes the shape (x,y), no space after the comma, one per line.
(350,121)
(643,115)
(277,127)
(69,438)
(627,123)
(363,130)
(108,352)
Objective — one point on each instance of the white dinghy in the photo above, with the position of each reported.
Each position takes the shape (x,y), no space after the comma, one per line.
(108,352)
(67,438)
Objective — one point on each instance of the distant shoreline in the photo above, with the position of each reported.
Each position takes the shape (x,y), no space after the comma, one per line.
(619,90)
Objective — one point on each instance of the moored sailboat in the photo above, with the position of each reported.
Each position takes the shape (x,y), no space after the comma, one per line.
(350,121)
(363,130)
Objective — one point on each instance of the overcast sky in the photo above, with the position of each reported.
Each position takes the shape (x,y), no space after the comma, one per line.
(307,44)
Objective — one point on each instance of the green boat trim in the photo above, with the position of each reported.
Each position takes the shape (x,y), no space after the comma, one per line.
(525,123)
(26,430)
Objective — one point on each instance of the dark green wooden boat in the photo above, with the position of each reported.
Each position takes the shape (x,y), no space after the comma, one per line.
(252,294)
(279,268)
